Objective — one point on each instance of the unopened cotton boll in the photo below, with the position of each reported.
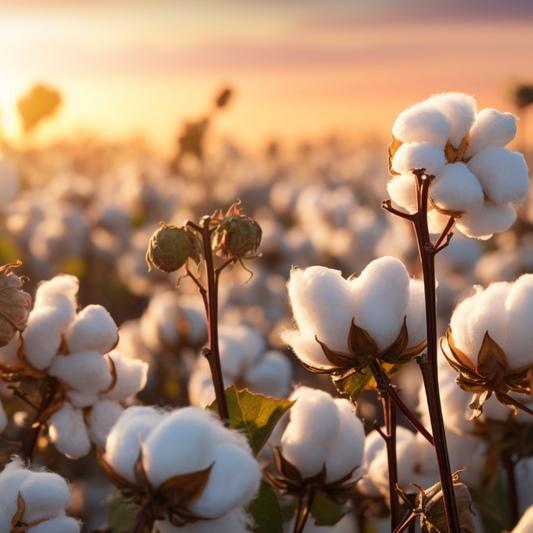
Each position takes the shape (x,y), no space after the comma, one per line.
(491,128)
(455,188)
(89,372)
(68,432)
(101,419)
(503,174)
(93,330)
(422,123)
(418,155)
(131,377)
(402,190)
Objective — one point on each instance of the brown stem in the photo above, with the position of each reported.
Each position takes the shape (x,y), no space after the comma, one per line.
(140,522)
(307,510)
(213,354)
(389,412)
(406,523)
(518,405)
(509,464)
(298,513)
(201,289)
(23,397)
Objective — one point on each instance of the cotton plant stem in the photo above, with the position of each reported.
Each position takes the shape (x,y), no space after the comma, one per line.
(509,464)
(389,412)
(140,522)
(410,521)
(307,511)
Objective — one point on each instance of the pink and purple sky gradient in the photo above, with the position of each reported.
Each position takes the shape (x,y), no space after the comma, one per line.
(300,68)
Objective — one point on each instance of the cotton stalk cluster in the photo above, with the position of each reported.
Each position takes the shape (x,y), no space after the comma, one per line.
(37,500)
(192,465)
(477,180)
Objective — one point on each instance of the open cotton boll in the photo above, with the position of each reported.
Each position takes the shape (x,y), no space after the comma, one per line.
(320,299)
(93,329)
(437,222)
(233,482)
(180,444)
(61,524)
(422,123)
(455,188)
(5,521)
(253,344)
(491,128)
(419,155)
(101,419)
(271,376)
(42,337)
(131,377)
(491,218)
(416,313)
(460,317)
(59,291)
(459,109)
(380,295)
(122,444)
(306,348)
(11,479)
(45,494)
(314,421)
(81,400)
(402,190)
(231,355)
(68,432)
(9,352)
(374,443)
(526,522)
(519,318)
(503,174)
(88,372)
(347,447)
(236,521)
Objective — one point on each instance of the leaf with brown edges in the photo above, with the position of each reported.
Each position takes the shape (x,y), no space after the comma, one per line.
(186,488)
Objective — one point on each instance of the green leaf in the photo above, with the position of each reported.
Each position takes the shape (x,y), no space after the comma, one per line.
(325,511)
(120,517)
(266,511)
(493,504)
(253,414)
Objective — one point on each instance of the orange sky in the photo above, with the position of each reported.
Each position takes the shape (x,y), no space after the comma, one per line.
(300,69)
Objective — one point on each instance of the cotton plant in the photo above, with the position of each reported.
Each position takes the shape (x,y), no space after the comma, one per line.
(526,522)
(84,380)
(182,467)
(245,362)
(34,501)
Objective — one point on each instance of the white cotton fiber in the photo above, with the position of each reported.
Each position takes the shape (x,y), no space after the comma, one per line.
(347,446)
(374,443)
(437,222)
(11,479)
(503,174)
(232,356)
(253,344)
(131,377)
(306,348)
(491,218)
(380,295)
(180,444)
(526,522)
(122,444)
(402,190)
(459,109)
(422,123)
(68,433)
(416,313)
(491,128)
(101,418)
(45,494)
(62,524)
(320,299)
(519,311)
(58,292)
(93,329)
(81,400)
(271,376)
(455,188)
(9,352)
(459,322)
(233,482)
(5,521)
(42,337)
(88,372)
(419,155)
(314,421)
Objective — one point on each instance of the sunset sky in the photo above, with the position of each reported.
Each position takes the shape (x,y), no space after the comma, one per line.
(300,68)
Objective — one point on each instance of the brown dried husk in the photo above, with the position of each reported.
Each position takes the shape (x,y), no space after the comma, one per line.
(392,149)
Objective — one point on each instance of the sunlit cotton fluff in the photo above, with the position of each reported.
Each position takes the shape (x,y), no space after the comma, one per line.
(324,304)
(322,431)
(477,180)
(46,496)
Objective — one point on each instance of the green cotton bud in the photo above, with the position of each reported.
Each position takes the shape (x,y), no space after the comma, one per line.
(170,247)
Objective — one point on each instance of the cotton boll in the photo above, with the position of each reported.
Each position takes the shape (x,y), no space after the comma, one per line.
(233,482)
(9,352)
(57,292)
(81,400)
(101,419)
(469,451)
(526,522)
(419,155)
(380,295)
(402,190)
(437,222)
(416,313)
(88,372)
(347,447)
(5,521)
(187,430)
(422,123)
(459,109)
(201,389)
(374,443)
(131,377)
(232,356)
(519,318)
(314,421)
(11,479)
(122,444)
(306,348)
(320,299)
(503,174)
(271,376)
(93,330)
(491,218)
(68,433)
(62,524)
(459,322)
(455,188)
(253,345)
(45,494)
(491,128)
